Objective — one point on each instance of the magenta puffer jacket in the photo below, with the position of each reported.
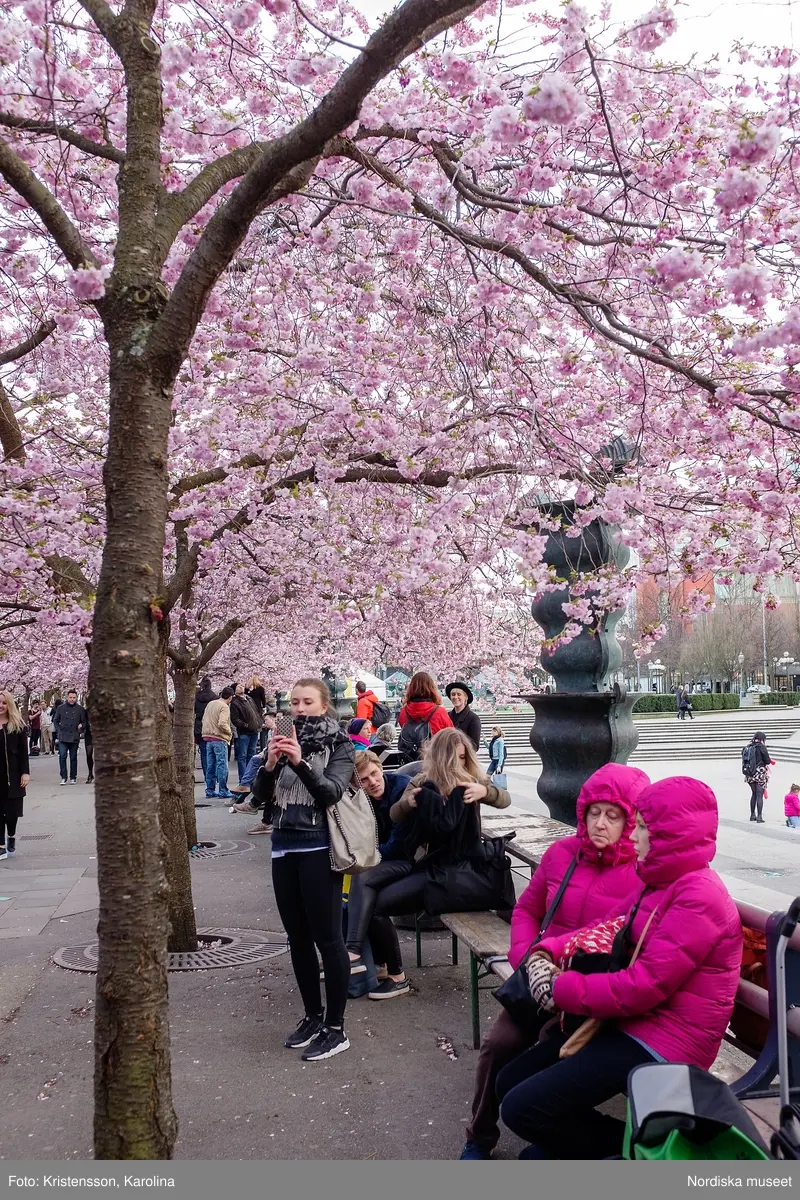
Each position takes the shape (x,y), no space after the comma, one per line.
(678,997)
(603,884)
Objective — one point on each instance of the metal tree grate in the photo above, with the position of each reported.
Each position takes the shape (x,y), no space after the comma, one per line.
(217,849)
(33,837)
(239,948)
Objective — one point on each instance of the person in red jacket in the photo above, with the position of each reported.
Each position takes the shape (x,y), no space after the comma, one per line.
(672,1005)
(423,712)
(603,883)
(366,702)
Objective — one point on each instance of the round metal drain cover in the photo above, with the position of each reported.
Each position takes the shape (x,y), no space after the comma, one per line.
(219,948)
(217,849)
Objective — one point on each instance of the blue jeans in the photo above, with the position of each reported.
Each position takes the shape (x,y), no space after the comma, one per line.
(794,822)
(252,769)
(201,746)
(72,747)
(246,747)
(217,769)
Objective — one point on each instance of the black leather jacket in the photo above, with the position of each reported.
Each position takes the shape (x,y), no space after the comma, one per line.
(327,787)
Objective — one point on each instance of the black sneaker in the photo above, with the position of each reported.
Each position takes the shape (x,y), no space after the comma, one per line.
(327,1043)
(357,966)
(11,845)
(305,1033)
(390,989)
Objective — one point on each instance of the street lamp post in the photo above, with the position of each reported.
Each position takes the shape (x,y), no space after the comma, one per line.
(740,661)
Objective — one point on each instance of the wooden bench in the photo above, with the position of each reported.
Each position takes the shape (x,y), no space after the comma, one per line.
(486,937)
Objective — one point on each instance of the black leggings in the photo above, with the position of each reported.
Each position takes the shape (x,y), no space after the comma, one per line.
(8,823)
(756,798)
(391,888)
(309,899)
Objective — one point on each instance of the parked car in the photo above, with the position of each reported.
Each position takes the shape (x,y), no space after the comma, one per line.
(759,689)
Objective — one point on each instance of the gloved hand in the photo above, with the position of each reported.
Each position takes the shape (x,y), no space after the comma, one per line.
(541,973)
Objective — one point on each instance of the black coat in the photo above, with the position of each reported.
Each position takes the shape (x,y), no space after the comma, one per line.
(449,828)
(201,700)
(245,715)
(67,720)
(469,723)
(259,696)
(326,786)
(14,762)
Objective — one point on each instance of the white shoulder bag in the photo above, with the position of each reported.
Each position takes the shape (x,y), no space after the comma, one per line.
(353,833)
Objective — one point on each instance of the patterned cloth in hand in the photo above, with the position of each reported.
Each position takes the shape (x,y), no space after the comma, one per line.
(596,939)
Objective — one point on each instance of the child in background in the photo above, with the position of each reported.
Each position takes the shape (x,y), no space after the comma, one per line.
(791,806)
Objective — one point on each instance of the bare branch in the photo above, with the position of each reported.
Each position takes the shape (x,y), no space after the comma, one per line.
(106,21)
(23,348)
(21,178)
(216,642)
(64,134)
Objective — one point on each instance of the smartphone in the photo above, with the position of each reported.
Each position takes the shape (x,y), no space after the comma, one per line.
(284,725)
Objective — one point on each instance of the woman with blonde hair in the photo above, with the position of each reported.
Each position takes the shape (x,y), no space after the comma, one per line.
(439,831)
(14,771)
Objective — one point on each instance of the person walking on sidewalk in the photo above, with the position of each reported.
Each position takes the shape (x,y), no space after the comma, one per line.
(47,732)
(217,735)
(247,721)
(755,768)
(35,726)
(88,745)
(303,776)
(14,771)
(69,724)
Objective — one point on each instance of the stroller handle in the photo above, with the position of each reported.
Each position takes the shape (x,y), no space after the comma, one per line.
(791,919)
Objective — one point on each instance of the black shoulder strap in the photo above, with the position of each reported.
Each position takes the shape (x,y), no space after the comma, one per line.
(562,887)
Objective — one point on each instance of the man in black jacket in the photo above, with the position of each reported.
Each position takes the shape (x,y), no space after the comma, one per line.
(205,694)
(462,715)
(69,723)
(246,720)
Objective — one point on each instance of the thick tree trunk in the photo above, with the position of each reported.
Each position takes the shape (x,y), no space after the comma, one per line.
(183,928)
(134,1114)
(184,748)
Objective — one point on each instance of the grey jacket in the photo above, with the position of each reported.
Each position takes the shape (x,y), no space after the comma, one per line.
(67,720)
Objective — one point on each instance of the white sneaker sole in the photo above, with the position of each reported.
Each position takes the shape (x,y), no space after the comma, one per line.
(345,1045)
(358,968)
(389,995)
(300,1045)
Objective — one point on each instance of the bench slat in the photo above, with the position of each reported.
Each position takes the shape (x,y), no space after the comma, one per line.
(483,933)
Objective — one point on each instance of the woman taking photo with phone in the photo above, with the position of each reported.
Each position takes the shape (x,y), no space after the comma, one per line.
(309,765)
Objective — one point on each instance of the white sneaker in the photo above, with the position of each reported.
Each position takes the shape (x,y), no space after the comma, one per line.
(63,783)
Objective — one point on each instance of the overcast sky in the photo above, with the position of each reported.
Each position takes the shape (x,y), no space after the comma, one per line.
(706,27)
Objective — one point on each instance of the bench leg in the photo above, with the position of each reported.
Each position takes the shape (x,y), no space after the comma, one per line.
(418,934)
(455,950)
(474,999)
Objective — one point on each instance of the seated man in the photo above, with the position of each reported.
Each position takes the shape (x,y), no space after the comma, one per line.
(383,790)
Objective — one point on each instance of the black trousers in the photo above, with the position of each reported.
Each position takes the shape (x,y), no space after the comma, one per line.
(392,889)
(756,798)
(89,748)
(309,899)
(552,1102)
(8,822)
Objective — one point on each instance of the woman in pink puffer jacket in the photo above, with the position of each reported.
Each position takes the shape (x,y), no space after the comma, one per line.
(603,884)
(673,1004)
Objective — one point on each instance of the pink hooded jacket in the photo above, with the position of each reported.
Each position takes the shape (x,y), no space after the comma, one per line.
(603,884)
(678,997)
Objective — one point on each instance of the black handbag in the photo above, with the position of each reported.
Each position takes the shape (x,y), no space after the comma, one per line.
(515,994)
(472,885)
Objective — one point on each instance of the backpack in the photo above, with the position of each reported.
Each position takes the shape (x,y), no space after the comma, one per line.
(678,1111)
(413,736)
(381,714)
(750,761)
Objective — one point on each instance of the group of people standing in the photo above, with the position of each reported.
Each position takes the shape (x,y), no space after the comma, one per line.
(236,718)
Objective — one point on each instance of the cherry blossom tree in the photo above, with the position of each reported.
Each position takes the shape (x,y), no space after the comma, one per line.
(434,268)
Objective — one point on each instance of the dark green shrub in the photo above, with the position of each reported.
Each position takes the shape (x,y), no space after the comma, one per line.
(790,698)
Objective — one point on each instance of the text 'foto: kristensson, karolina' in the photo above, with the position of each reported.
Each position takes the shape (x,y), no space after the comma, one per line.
(739,1181)
(92,1181)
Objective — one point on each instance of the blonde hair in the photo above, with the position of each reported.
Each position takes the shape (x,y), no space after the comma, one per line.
(366,758)
(386,734)
(498,731)
(443,767)
(15,721)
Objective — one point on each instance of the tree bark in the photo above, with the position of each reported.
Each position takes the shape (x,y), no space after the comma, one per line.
(184,748)
(134,1114)
(183,928)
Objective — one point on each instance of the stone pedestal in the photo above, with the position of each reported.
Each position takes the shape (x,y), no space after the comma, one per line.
(585,723)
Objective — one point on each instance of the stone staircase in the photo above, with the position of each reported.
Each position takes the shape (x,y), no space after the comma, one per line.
(709,735)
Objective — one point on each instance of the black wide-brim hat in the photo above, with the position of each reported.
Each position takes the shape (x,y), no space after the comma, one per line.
(464,688)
